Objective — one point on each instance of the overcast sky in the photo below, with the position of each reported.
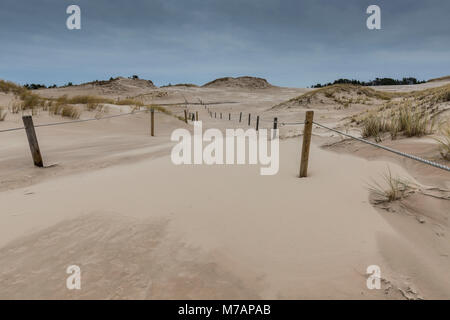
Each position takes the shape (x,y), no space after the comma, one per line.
(289,42)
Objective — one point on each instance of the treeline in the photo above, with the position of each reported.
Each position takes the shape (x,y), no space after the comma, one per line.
(34,86)
(376,82)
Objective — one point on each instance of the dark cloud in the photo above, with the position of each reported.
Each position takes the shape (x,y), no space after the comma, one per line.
(290,42)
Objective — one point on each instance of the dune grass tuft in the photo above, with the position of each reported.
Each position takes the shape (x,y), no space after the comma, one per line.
(82,99)
(3,113)
(406,119)
(444,141)
(129,102)
(64,110)
(393,188)
(164,110)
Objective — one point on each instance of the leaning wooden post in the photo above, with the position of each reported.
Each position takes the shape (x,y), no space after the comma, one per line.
(196,115)
(32,141)
(249,117)
(240,117)
(257,123)
(306,143)
(152,113)
(185,116)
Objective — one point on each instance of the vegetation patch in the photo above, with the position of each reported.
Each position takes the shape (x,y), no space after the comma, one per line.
(392,188)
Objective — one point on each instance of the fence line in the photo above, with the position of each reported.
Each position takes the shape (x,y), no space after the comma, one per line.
(79,120)
(275,122)
(403,154)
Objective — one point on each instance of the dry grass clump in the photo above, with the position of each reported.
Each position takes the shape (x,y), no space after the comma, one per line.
(129,102)
(406,119)
(3,113)
(163,110)
(392,188)
(8,86)
(70,112)
(30,100)
(16,106)
(413,122)
(82,99)
(93,106)
(64,110)
(444,141)
(375,125)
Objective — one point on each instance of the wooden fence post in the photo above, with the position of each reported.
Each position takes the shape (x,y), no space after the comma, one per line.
(257,123)
(240,117)
(152,113)
(32,141)
(185,116)
(196,115)
(306,143)
(275,127)
(229,116)
(249,117)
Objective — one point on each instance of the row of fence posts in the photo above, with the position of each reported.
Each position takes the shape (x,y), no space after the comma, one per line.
(307,131)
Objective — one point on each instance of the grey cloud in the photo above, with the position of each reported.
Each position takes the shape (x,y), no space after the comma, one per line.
(290,42)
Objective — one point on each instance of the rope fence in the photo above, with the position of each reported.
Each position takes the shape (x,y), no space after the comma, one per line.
(400,153)
(29,127)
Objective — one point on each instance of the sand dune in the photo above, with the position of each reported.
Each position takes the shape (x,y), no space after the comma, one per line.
(275,236)
(140,227)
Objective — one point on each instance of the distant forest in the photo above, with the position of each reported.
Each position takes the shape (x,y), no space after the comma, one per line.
(376,82)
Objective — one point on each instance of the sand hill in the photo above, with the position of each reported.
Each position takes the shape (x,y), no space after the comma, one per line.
(118,87)
(446,78)
(339,94)
(240,82)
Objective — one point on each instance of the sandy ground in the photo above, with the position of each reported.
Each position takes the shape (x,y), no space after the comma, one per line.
(112,202)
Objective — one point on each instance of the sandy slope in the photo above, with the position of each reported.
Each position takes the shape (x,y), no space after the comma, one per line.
(274,236)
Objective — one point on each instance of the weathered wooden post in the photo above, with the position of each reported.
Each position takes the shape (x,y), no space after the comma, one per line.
(240,117)
(152,114)
(306,143)
(196,115)
(32,141)
(229,116)
(193,116)
(249,117)
(275,127)
(185,116)
(257,123)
